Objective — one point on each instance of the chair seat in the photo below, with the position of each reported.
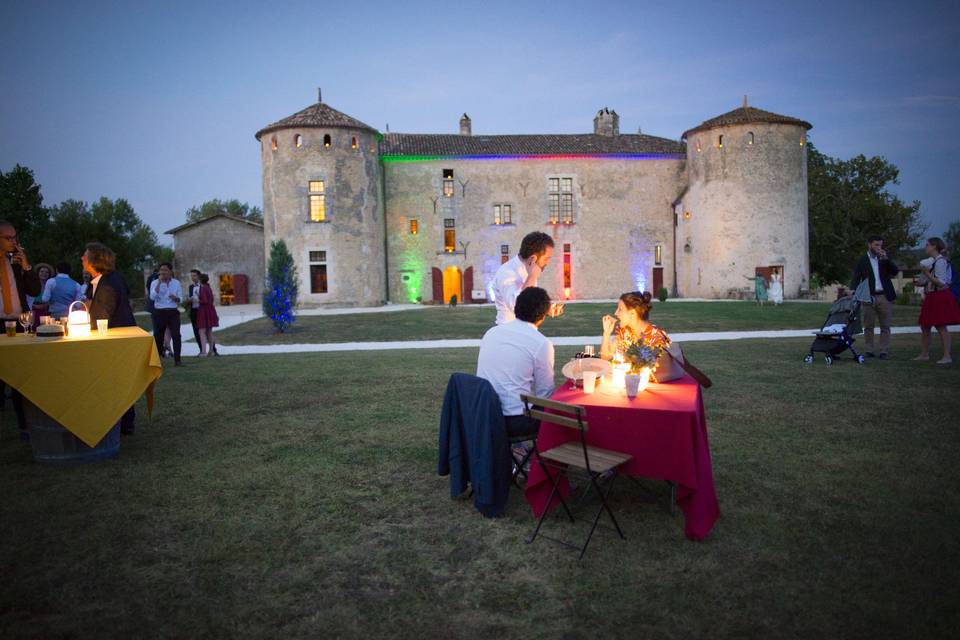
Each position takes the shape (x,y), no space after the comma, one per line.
(601,460)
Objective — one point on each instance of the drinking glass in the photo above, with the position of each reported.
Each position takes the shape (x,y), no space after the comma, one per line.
(589,351)
(26,320)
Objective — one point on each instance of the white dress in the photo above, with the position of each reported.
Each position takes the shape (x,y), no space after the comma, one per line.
(776,289)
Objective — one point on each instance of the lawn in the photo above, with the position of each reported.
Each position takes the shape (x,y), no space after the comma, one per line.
(578,320)
(296,496)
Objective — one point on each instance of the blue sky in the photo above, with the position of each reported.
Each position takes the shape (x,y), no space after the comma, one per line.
(158,102)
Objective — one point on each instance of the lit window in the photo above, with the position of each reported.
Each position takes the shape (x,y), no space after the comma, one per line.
(353,142)
(449,235)
(273,143)
(567,269)
(318,203)
(658,254)
(414,227)
(502,214)
(560,200)
(803,139)
(326,140)
(504,253)
(698,145)
(719,142)
(750,138)
(298,141)
(448,183)
(318,272)
(507,214)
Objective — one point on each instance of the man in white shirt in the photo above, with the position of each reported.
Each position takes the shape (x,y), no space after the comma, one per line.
(166,293)
(521,272)
(517,359)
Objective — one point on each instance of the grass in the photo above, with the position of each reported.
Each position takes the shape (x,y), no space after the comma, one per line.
(298,498)
(145,323)
(578,319)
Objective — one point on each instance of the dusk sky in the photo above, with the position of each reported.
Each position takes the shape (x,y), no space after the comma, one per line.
(158,103)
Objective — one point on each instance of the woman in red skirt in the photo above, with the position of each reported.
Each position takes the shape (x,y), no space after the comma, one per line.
(207,318)
(939,308)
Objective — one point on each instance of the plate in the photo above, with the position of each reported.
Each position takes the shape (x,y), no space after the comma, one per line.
(570,370)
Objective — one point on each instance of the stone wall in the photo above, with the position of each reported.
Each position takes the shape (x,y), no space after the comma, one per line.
(622,211)
(746,207)
(221,245)
(352,235)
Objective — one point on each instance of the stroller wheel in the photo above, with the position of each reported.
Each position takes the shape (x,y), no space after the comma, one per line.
(860,359)
(828,359)
(808,359)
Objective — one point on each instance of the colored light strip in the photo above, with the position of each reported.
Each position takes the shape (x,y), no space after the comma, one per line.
(568,156)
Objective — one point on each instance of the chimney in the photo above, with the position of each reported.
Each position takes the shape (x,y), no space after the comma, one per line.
(319,94)
(606,123)
(465,128)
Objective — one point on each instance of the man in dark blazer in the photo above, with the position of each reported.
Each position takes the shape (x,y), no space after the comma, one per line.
(17,281)
(110,301)
(879,270)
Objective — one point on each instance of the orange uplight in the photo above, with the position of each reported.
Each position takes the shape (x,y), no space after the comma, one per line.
(566,293)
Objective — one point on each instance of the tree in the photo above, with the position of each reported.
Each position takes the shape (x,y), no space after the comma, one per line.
(230,207)
(22,204)
(848,201)
(952,237)
(280,298)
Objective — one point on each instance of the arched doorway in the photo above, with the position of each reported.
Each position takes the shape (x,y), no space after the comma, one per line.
(452,284)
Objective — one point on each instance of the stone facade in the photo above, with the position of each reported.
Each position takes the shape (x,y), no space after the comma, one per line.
(414,217)
(221,245)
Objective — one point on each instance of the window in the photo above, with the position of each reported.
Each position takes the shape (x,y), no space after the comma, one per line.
(719,142)
(414,227)
(318,203)
(567,270)
(658,254)
(449,235)
(560,200)
(353,142)
(698,145)
(750,137)
(803,139)
(326,140)
(502,214)
(298,141)
(318,272)
(448,183)
(504,253)
(273,143)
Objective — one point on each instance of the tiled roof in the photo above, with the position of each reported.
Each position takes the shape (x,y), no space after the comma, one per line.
(746,115)
(213,217)
(427,144)
(316,115)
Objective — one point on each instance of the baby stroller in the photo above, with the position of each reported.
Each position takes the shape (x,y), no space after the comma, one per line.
(836,334)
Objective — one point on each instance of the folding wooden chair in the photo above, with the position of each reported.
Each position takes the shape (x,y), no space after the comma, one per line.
(520,462)
(593,460)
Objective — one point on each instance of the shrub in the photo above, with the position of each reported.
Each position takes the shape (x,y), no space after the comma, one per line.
(453,300)
(662,294)
(903,298)
(280,297)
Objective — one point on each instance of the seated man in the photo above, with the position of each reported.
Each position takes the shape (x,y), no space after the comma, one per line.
(517,359)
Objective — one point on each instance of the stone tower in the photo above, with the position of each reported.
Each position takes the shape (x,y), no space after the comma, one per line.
(606,123)
(322,194)
(745,209)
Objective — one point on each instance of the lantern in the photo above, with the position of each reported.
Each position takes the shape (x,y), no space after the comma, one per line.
(78,321)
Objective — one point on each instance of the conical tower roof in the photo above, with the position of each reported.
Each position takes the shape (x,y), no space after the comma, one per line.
(746,115)
(318,114)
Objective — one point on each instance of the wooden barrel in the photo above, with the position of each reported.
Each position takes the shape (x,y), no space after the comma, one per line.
(53,444)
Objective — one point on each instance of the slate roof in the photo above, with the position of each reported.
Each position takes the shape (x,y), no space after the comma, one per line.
(427,144)
(213,217)
(746,115)
(318,114)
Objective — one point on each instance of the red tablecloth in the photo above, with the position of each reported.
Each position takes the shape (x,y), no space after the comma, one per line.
(665,430)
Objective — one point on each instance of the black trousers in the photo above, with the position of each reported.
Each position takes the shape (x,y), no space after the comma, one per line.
(128,420)
(17,400)
(164,319)
(521,425)
(196,330)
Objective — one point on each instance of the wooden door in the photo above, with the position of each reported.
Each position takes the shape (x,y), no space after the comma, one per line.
(437,285)
(468,284)
(241,294)
(657,280)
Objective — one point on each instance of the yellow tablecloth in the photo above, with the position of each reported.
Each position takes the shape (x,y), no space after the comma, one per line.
(85,384)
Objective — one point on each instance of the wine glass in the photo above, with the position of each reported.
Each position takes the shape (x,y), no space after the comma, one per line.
(26,320)
(589,351)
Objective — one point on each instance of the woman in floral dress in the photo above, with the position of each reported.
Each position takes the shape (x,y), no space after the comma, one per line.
(633,311)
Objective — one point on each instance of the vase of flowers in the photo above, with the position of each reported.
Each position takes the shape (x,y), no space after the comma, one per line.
(642,355)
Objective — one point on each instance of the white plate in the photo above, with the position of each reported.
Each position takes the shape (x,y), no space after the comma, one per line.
(572,372)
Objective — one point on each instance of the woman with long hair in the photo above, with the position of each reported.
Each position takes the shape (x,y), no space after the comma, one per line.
(940,307)
(207,318)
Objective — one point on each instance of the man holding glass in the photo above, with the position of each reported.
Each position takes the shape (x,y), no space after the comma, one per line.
(17,281)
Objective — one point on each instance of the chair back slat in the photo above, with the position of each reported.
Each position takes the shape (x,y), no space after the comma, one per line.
(574,409)
(557,419)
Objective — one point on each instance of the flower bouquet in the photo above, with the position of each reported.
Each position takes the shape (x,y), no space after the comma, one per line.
(642,354)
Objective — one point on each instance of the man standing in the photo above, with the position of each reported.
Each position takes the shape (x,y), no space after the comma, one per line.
(878,270)
(61,291)
(194,295)
(522,272)
(17,281)
(110,301)
(166,294)
(517,359)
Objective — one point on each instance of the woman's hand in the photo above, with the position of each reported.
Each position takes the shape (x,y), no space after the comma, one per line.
(609,322)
